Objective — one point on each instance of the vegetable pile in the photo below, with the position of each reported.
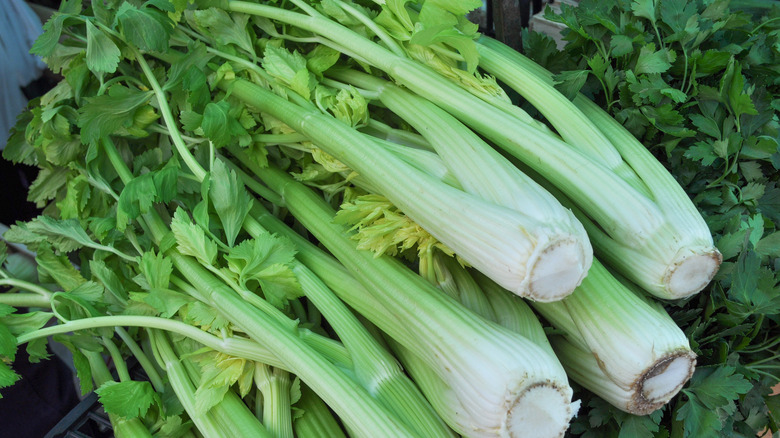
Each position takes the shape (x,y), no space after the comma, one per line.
(330,218)
(698,84)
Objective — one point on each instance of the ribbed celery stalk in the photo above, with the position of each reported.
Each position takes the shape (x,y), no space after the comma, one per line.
(562,254)
(495,377)
(494,239)
(274,384)
(641,357)
(233,416)
(316,421)
(676,260)
(182,385)
(452,279)
(372,366)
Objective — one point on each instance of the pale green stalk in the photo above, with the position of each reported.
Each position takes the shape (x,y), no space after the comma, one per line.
(562,252)
(231,413)
(674,260)
(182,385)
(151,372)
(489,393)
(317,420)
(492,238)
(275,387)
(43,293)
(635,344)
(20,299)
(621,210)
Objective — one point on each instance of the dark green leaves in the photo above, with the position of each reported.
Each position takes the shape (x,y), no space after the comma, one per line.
(693,84)
(732,89)
(651,60)
(710,391)
(106,114)
(225,29)
(102,53)
(147,28)
(220,125)
(142,192)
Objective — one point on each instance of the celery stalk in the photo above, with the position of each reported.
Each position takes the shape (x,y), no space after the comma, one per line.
(677,259)
(490,394)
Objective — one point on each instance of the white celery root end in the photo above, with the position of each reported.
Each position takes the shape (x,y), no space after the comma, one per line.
(661,382)
(558,270)
(691,273)
(541,411)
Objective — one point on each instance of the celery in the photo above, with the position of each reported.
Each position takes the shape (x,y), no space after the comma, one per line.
(678,257)
(449,339)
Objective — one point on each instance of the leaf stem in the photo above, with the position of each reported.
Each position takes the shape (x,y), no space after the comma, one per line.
(143,359)
(167,115)
(26,285)
(25,300)
(119,362)
(234,346)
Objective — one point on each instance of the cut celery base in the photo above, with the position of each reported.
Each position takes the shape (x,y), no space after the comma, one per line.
(691,273)
(539,412)
(558,270)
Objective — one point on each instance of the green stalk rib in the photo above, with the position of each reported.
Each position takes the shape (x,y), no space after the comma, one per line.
(642,357)
(182,385)
(275,387)
(482,171)
(232,415)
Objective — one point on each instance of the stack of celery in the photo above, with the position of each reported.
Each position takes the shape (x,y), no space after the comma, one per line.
(326,218)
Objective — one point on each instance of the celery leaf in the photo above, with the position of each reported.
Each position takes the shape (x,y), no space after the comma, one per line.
(147,28)
(157,269)
(266,260)
(103,55)
(191,239)
(220,125)
(230,199)
(105,114)
(226,29)
(7,343)
(129,399)
(7,376)
(58,268)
